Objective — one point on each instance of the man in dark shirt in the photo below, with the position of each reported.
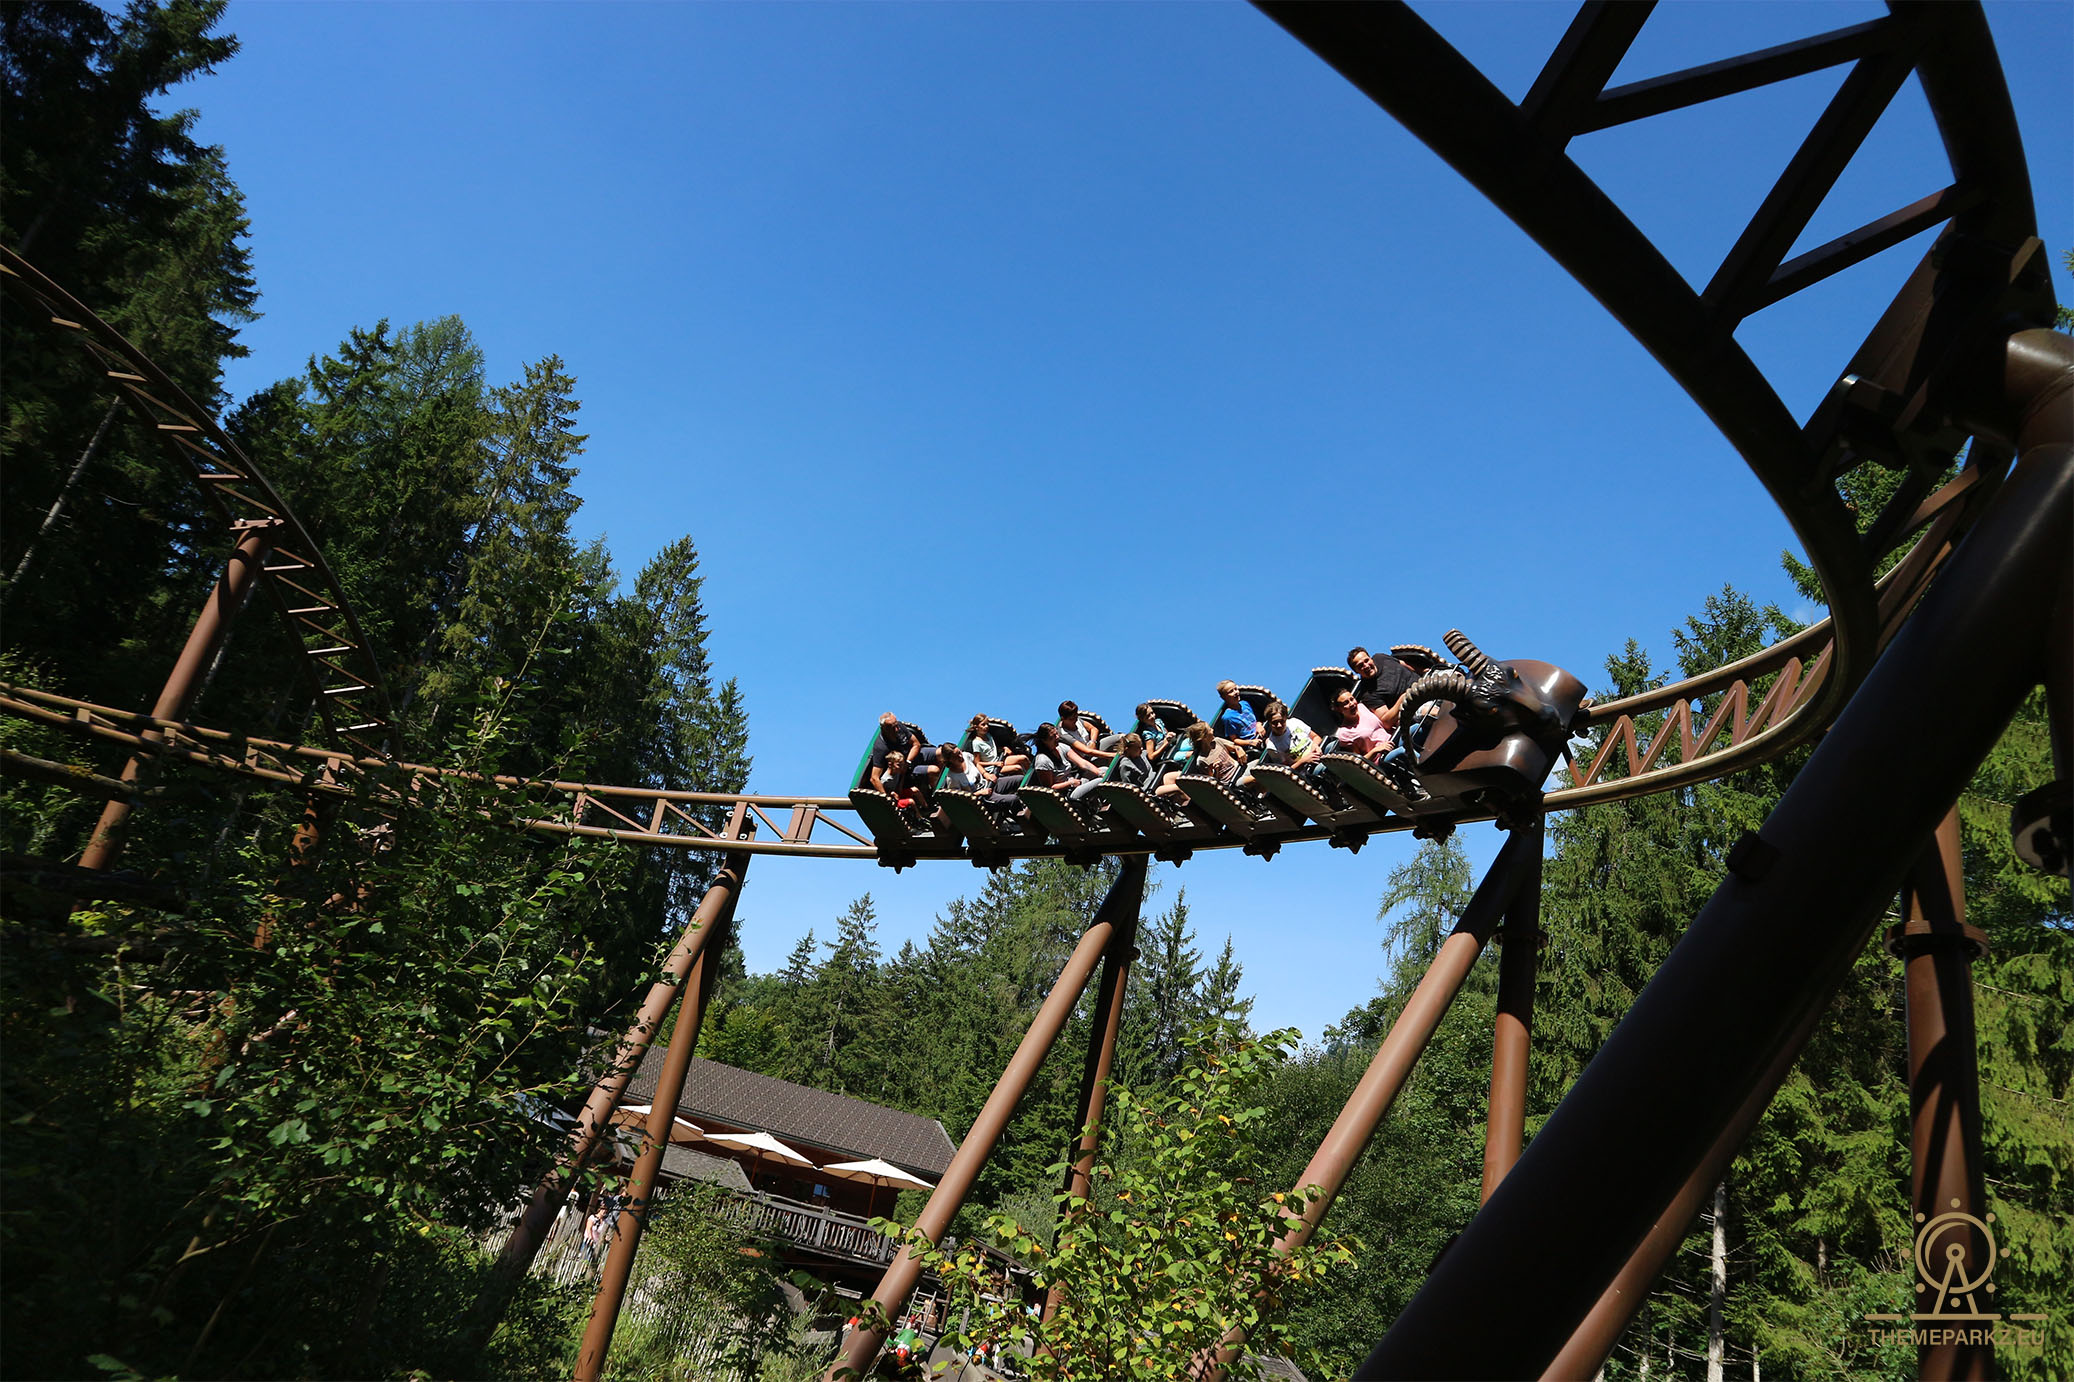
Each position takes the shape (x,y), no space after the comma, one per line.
(895,737)
(1382,680)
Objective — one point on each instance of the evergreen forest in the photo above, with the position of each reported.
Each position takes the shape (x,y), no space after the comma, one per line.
(262,1104)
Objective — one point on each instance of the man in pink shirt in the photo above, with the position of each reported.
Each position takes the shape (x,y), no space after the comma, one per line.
(1362,730)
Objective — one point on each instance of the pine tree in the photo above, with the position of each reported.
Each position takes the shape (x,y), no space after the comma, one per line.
(1422,901)
(105,190)
(1221,1001)
(1164,1003)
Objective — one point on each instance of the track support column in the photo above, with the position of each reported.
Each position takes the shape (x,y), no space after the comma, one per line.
(1392,1063)
(1664,1088)
(1954,1244)
(176,698)
(1518,956)
(898,1283)
(1592,1341)
(1517,863)
(669,1092)
(1094,1075)
(714,911)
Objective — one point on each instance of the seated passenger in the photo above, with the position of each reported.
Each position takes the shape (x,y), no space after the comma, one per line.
(1235,721)
(897,780)
(895,736)
(1054,762)
(1383,681)
(1361,730)
(1133,766)
(989,753)
(1149,729)
(1079,738)
(1284,742)
(1213,758)
(963,771)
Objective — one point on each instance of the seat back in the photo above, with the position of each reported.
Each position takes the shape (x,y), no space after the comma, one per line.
(1314,706)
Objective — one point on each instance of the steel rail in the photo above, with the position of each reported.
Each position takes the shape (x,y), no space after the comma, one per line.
(1745,738)
(1912,396)
(309,597)
(1658,759)
(1668,755)
(1888,405)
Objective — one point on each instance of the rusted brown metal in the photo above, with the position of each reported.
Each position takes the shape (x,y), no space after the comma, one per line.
(70,776)
(1586,1350)
(1517,862)
(302,856)
(1811,885)
(204,641)
(679,972)
(1954,1240)
(1118,909)
(1518,955)
(1734,738)
(641,1182)
(1101,1058)
(344,676)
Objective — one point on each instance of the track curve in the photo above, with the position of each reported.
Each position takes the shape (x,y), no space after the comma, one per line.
(1898,403)
(1747,727)
(355,711)
(1926,387)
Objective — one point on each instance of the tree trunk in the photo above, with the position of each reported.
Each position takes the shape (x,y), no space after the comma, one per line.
(1719,1294)
(57,505)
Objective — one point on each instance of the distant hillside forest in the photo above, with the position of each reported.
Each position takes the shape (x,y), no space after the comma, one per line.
(259,1111)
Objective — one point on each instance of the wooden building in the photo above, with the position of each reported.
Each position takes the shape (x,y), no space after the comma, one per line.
(823,1127)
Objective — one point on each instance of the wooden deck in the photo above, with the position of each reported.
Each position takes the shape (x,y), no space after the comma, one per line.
(812,1229)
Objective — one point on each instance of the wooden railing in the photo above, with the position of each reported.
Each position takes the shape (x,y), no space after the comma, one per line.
(816,1230)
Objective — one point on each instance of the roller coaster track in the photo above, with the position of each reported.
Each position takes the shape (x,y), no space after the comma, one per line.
(338,662)
(1898,403)
(1943,373)
(1747,726)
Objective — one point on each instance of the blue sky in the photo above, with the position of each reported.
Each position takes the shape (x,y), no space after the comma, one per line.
(994,354)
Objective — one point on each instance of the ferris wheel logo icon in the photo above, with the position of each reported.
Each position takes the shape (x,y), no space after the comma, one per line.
(1948,1283)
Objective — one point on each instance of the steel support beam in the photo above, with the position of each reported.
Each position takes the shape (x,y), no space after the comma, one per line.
(1094,1074)
(176,698)
(1588,1347)
(1393,1061)
(1772,945)
(1937,950)
(1519,952)
(516,1257)
(641,1184)
(1119,908)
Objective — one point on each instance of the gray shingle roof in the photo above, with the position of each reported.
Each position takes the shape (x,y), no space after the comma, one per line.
(796,1112)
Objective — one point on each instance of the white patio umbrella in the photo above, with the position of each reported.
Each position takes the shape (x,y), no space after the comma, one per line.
(760,1146)
(877,1173)
(636,1116)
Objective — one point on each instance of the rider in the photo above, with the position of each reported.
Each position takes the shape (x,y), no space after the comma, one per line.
(1361,730)
(1383,681)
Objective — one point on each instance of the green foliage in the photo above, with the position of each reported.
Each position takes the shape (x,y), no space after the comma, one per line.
(718,1287)
(1173,1248)
(288,1077)
(103,187)
(1421,903)
(2063,316)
